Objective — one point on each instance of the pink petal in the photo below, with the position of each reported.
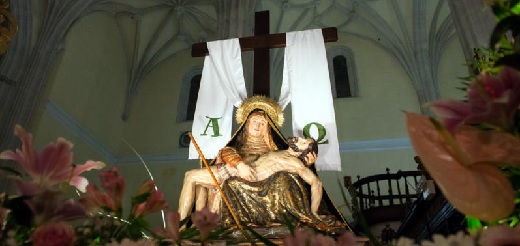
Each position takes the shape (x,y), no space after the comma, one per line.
(205,221)
(9,155)
(60,233)
(480,190)
(172,224)
(70,211)
(500,235)
(148,186)
(154,203)
(26,139)
(26,188)
(89,165)
(494,147)
(55,161)
(510,79)
(93,199)
(114,185)
(452,112)
(347,239)
(79,182)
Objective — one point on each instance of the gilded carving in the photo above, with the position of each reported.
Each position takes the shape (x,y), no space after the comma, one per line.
(8,26)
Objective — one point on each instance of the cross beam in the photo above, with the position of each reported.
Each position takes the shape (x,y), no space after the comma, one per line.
(270,41)
(260,44)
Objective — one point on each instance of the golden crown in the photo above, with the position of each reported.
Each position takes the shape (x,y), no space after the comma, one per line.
(266,104)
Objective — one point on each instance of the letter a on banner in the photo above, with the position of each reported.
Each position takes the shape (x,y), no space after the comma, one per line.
(222,86)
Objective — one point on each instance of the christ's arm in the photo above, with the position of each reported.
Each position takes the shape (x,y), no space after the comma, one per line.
(316,187)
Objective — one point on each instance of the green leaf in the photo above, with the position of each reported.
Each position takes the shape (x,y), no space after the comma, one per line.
(184,221)
(260,237)
(20,212)
(514,6)
(217,233)
(514,222)
(503,26)
(504,8)
(510,60)
(474,224)
(11,170)
(499,11)
(135,229)
(140,198)
(289,224)
(189,233)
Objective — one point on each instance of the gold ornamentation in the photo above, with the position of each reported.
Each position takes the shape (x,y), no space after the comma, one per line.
(268,105)
(6,34)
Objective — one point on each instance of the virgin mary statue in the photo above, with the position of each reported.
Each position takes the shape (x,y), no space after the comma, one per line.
(283,195)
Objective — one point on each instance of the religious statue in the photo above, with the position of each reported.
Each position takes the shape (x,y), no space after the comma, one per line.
(295,160)
(263,179)
(8,26)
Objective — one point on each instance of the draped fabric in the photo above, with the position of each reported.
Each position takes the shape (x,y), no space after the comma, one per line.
(306,84)
(284,194)
(266,203)
(222,86)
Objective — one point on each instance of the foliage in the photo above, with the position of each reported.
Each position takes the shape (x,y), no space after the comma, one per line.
(492,107)
(45,212)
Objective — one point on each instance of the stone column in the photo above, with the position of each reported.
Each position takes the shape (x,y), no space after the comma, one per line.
(474,22)
(28,64)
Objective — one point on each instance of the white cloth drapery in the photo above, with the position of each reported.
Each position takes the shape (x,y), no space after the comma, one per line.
(306,84)
(222,86)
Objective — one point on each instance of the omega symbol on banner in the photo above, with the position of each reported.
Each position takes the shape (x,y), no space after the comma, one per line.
(316,131)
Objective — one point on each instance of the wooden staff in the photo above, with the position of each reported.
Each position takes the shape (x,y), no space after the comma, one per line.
(216,182)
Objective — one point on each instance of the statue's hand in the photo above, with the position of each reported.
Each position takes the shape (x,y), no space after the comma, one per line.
(246,172)
(311,158)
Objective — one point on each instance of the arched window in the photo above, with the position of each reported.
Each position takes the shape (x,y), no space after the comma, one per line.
(342,72)
(341,77)
(188,94)
(192,99)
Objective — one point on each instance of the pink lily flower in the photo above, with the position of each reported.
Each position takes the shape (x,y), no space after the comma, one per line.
(26,188)
(452,112)
(465,166)
(52,165)
(153,204)
(54,234)
(172,227)
(300,237)
(205,221)
(500,235)
(492,100)
(50,206)
(81,182)
(129,242)
(322,240)
(147,187)
(347,239)
(3,212)
(114,185)
(94,199)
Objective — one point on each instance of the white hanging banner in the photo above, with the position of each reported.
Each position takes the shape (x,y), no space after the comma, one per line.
(306,85)
(222,86)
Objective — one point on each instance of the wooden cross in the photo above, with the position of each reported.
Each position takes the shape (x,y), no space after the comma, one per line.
(260,44)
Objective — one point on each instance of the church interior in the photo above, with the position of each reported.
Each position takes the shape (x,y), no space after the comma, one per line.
(118,79)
